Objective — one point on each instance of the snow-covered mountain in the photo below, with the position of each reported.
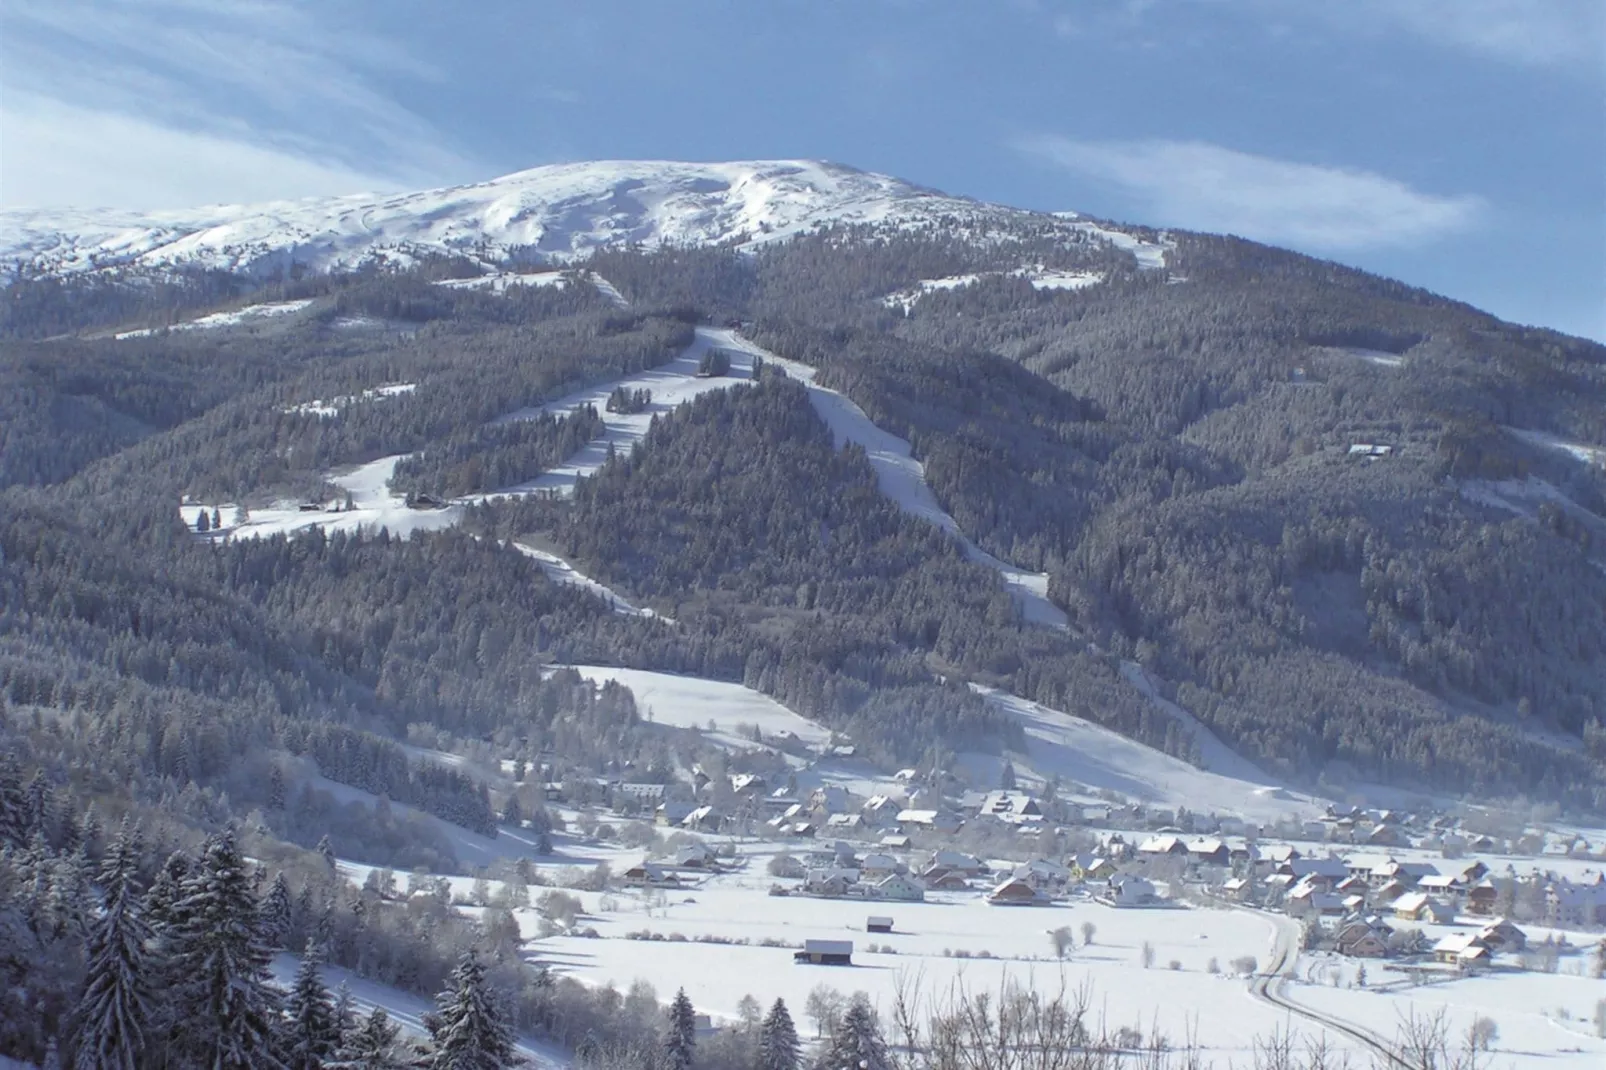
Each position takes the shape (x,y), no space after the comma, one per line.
(558,212)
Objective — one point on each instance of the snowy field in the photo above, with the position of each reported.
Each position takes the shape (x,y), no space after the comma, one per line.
(238,318)
(939,945)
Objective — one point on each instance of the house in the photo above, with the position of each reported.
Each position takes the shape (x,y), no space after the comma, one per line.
(1011,806)
(704,818)
(1482,898)
(957,860)
(671,812)
(1308,899)
(1237,888)
(830,799)
(876,866)
(1412,906)
(878,923)
(901,887)
(1015,892)
(1362,940)
(1390,892)
(1464,951)
(1328,870)
(639,794)
(1043,874)
(695,856)
(748,784)
(845,822)
(1089,867)
(879,810)
(944,879)
(1130,890)
(1466,872)
(894,840)
(932,820)
(825,953)
(1370,451)
(1576,904)
(650,874)
(1387,836)
(1208,852)
(830,882)
(1160,846)
(1501,935)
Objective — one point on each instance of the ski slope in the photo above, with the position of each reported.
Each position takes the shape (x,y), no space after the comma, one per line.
(240,317)
(560,571)
(1077,750)
(718,708)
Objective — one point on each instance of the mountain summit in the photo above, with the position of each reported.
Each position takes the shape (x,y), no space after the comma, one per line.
(553,213)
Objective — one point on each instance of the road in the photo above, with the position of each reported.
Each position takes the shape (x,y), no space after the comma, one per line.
(1268,987)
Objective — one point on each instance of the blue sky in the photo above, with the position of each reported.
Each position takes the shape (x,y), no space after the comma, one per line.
(1455,144)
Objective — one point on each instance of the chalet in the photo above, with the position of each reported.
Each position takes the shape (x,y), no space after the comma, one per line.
(878,923)
(1387,836)
(1501,935)
(1464,951)
(906,776)
(650,875)
(876,866)
(704,819)
(781,799)
(830,882)
(1351,886)
(1160,846)
(830,799)
(802,830)
(1362,940)
(748,784)
(642,795)
(1238,888)
(895,841)
(1306,899)
(1412,906)
(1208,852)
(900,887)
(825,953)
(931,820)
(1482,898)
(671,812)
(957,860)
(944,879)
(1012,806)
(313,507)
(879,810)
(1390,892)
(1439,884)
(844,822)
(1015,892)
(1369,451)
(1043,874)
(1466,873)
(1130,890)
(1329,871)
(695,856)
(1089,867)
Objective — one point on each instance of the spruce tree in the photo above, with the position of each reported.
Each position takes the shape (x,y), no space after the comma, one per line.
(114,1016)
(224,1002)
(680,1043)
(311,1032)
(778,1046)
(856,1043)
(469,1031)
(371,1045)
(276,911)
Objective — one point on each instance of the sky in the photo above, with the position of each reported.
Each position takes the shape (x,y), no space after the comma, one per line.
(1458,145)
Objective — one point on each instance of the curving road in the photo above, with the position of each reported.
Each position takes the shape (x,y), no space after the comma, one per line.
(1268,988)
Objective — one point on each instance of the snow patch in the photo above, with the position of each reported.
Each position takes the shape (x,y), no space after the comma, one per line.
(333,406)
(1582,451)
(560,571)
(239,317)
(501,282)
(1040,277)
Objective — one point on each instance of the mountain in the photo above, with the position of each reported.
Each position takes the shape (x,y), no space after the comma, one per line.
(553,214)
(871,450)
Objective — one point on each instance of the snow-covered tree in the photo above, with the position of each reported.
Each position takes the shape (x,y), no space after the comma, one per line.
(276,913)
(778,1047)
(371,1044)
(856,1043)
(224,1002)
(114,1017)
(469,1031)
(327,849)
(310,1033)
(680,1041)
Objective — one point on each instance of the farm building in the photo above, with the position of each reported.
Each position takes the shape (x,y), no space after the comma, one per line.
(1015,892)
(825,953)
(878,923)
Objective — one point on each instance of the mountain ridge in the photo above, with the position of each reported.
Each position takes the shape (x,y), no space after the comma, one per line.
(555,213)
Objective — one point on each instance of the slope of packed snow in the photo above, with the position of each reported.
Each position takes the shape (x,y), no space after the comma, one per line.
(500,281)
(239,317)
(710,705)
(1040,277)
(332,407)
(558,213)
(1077,750)
(560,571)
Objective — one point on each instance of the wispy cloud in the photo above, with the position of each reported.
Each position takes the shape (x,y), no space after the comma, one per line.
(244,84)
(1528,32)
(1207,187)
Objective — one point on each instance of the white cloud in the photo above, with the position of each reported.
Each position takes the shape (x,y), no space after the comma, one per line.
(1567,33)
(57,155)
(236,97)
(1206,187)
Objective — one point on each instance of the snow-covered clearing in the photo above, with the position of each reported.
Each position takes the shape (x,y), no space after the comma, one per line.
(404,1008)
(1523,497)
(720,709)
(1040,277)
(501,281)
(1214,755)
(239,317)
(1581,451)
(1077,750)
(373,507)
(1370,356)
(332,407)
(560,571)
(938,944)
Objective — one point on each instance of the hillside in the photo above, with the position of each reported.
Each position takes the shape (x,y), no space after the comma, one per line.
(1355,531)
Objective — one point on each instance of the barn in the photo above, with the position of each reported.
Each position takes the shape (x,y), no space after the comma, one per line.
(825,953)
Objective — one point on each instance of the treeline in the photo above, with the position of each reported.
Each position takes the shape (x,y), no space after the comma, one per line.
(494,456)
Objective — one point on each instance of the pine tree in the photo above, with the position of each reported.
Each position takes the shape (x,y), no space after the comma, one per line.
(165,891)
(13,805)
(310,1034)
(202,522)
(371,1045)
(217,519)
(856,1043)
(778,1046)
(327,849)
(469,1031)
(276,909)
(680,1043)
(224,1002)
(114,1016)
